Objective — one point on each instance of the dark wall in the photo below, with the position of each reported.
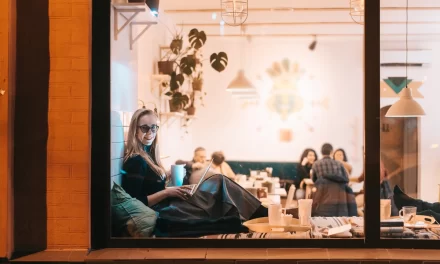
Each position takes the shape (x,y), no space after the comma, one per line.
(31,125)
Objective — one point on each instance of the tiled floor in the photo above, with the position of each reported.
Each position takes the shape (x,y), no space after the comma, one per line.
(239,256)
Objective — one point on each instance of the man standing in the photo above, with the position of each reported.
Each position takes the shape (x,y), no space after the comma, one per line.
(328,166)
(333,196)
(198,162)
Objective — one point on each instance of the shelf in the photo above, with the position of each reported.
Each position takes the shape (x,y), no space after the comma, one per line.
(135,9)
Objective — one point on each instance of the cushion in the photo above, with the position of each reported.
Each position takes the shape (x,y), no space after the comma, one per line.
(129,215)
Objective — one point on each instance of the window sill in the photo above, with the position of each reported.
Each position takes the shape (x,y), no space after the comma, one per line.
(239,255)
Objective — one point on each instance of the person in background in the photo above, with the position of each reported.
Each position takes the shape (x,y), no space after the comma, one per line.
(328,166)
(341,156)
(219,165)
(198,162)
(303,169)
(333,196)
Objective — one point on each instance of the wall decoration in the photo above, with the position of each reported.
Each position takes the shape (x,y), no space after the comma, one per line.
(284,98)
(286,135)
(392,86)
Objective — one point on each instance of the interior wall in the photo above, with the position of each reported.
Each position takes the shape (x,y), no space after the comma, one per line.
(175,140)
(331,89)
(124,92)
(429,125)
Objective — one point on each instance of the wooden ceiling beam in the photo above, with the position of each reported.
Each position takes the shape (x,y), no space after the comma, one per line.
(312,35)
(299,9)
(262,24)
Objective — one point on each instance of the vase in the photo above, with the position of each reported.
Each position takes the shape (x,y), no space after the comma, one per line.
(175,107)
(165,67)
(197,85)
(191,111)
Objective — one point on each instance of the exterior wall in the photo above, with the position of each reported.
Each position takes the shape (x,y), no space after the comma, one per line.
(69,129)
(4,126)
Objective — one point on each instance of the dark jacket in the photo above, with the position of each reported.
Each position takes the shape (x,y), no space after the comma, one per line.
(302,172)
(333,197)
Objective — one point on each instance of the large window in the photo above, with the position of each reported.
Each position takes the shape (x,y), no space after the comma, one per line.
(210,135)
(409,146)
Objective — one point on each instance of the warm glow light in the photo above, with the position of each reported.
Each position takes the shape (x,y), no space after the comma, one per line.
(406,106)
(240,84)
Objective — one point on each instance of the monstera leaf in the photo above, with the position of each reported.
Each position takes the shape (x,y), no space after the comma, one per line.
(187,65)
(219,61)
(176,81)
(176,45)
(197,38)
(179,99)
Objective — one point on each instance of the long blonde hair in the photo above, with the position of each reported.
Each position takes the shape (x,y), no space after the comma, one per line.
(135,147)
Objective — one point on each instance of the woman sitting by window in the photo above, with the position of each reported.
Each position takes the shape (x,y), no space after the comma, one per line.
(218,206)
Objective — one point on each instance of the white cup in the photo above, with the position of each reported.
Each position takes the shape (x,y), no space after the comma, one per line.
(177,174)
(275,214)
(385,209)
(305,211)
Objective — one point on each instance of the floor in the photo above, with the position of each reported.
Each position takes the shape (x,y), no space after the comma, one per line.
(242,256)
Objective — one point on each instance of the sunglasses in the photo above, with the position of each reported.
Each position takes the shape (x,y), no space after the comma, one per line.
(146,128)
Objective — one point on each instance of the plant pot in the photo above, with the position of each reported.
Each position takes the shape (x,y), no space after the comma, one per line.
(165,67)
(174,107)
(191,110)
(197,85)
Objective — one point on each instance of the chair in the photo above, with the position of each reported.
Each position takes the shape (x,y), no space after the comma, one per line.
(290,195)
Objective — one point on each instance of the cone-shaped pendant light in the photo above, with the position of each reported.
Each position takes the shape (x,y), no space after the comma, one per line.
(406,106)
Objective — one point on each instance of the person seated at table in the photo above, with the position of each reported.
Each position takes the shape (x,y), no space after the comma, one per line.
(340,156)
(385,188)
(423,208)
(217,206)
(198,162)
(308,157)
(219,165)
(328,166)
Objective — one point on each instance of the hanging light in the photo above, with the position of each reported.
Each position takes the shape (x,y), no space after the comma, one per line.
(406,106)
(357,9)
(234,12)
(240,85)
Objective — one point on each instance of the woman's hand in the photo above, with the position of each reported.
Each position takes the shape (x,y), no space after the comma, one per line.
(304,161)
(178,192)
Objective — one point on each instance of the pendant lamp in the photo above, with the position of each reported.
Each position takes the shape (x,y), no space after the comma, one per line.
(406,106)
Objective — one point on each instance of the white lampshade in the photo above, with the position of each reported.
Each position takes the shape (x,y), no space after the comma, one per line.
(406,106)
(240,84)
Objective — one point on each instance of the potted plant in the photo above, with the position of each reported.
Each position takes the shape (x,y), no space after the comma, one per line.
(197,82)
(178,100)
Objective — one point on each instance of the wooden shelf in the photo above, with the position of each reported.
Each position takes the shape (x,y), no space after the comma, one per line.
(134,9)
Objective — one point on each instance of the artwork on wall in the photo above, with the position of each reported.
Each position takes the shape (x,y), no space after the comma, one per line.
(286,135)
(392,86)
(284,98)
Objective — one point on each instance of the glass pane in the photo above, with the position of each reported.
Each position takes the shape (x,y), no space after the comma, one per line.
(410,56)
(243,114)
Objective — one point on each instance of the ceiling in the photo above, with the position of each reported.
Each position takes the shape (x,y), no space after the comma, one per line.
(305,18)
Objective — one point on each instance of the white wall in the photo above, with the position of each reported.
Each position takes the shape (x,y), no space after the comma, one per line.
(334,71)
(124,86)
(175,143)
(429,177)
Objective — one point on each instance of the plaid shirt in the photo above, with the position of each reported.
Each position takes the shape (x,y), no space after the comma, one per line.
(328,167)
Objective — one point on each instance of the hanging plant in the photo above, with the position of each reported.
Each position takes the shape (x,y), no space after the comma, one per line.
(196,38)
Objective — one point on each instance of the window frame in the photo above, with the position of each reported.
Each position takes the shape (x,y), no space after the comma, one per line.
(100,154)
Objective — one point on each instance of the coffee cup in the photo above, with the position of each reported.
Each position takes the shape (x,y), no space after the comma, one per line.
(177,174)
